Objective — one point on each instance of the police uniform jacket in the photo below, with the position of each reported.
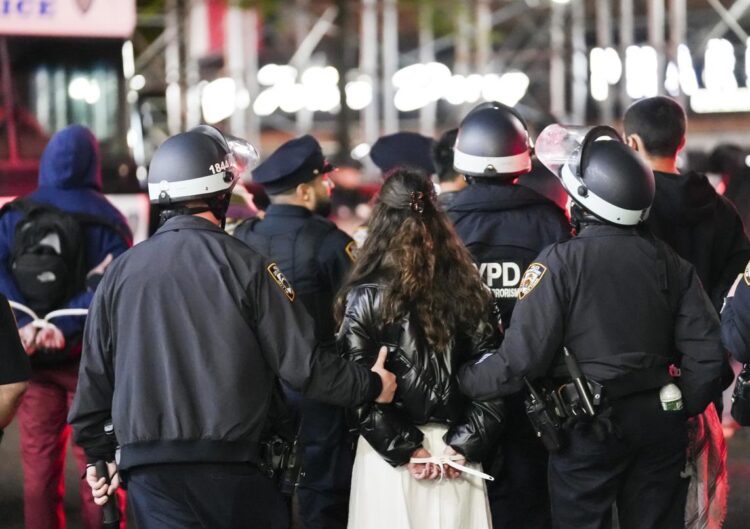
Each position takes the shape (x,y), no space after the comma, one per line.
(735,320)
(626,307)
(311,251)
(703,227)
(186,334)
(427,386)
(446,198)
(505,226)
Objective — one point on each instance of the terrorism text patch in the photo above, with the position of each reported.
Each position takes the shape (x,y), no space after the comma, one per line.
(282,281)
(531,278)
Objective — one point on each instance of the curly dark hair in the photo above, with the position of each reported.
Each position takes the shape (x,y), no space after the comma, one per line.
(427,271)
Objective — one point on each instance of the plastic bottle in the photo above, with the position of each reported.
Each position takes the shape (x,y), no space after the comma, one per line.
(670,397)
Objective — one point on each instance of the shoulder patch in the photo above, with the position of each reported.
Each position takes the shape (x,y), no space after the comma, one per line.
(351,250)
(531,279)
(281,280)
(746,274)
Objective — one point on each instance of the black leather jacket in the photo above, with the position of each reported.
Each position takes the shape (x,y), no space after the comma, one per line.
(427,386)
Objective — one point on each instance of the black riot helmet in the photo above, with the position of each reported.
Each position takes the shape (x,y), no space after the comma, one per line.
(197,164)
(201,164)
(493,141)
(599,172)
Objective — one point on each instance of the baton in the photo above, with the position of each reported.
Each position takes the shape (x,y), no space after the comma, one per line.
(582,385)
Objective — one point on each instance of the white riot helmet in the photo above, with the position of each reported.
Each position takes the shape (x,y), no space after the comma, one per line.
(493,141)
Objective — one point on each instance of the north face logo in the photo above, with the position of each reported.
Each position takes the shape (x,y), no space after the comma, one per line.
(46,277)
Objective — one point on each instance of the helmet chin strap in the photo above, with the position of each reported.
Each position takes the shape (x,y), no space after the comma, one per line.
(218,206)
(581,217)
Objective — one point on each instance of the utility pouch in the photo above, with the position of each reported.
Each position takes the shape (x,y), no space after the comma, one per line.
(280,461)
(570,398)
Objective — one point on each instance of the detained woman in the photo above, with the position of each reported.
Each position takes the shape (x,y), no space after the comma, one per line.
(415,289)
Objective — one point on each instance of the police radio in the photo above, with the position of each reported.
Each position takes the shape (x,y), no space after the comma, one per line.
(544,418)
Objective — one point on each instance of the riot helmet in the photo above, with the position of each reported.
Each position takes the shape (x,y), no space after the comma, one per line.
(493,141)
(201,164)
(599,172)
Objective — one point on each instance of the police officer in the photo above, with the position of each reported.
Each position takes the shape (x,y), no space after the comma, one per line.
(735,318)
(315,256)
(626,306)
(403,149)
(185,337)
(505,226)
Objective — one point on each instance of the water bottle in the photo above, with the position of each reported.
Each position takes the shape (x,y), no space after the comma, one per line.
(670,397)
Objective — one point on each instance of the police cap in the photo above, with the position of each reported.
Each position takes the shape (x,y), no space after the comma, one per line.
(297,161)
(407,149)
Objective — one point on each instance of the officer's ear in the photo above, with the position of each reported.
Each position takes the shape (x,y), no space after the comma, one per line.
(304,192)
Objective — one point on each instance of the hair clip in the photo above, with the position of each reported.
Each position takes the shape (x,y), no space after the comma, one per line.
(416,202)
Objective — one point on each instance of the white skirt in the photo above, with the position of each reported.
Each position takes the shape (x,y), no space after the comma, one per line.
(383,497)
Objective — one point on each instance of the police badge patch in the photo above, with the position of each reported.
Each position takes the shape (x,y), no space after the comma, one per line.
(530,279)
(746,274)
(351,250)
(282,281)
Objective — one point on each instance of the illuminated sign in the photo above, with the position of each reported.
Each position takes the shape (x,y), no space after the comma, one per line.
(705,101)
(68,18)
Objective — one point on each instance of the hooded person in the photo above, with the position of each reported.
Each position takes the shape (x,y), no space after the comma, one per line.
(69,196)
(688,214)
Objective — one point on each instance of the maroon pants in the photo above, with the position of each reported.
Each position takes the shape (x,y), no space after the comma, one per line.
(45,432)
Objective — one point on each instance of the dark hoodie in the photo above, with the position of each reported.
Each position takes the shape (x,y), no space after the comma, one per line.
(70,179)
(703,227)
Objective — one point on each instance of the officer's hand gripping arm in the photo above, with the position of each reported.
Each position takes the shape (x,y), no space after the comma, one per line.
(286,334)
(387,430)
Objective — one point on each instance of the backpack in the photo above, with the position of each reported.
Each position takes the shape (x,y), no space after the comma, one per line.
(47,257)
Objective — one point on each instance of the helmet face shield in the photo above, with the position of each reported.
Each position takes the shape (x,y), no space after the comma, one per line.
(242,157)
(593,171)
(561,145)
